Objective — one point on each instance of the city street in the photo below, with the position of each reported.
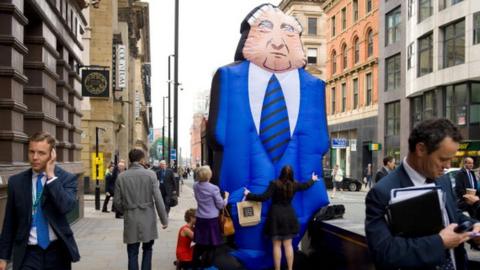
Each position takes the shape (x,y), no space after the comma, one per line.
(100,236)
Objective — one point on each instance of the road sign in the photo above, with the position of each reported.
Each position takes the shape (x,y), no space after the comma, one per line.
(101,169)
(173,154)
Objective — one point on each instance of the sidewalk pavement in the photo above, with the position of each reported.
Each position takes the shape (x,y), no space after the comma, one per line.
(100,237)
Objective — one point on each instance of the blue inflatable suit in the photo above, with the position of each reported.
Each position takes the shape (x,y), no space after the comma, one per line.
(270,47)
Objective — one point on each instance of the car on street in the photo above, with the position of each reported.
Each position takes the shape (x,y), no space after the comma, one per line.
(348,183)
(452,172)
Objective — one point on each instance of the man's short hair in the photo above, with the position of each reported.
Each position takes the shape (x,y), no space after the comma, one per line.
(204,173)
(42,136)
(135,155)
(386,160)
(432,132)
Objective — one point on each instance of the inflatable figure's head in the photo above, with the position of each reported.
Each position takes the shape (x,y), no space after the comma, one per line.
(271,40)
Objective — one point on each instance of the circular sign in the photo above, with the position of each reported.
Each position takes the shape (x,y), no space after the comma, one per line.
(96,83)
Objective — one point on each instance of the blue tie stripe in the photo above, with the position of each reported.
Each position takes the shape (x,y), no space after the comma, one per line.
(274,124)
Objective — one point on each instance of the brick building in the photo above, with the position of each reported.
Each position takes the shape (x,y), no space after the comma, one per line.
(351,84)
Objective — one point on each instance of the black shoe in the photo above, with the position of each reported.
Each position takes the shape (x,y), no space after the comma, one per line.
(105,211)
(118,216)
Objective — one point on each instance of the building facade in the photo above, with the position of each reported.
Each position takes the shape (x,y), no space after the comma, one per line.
(351,84)
(40,55)
(442,65)
(312,18)
(119,42)
(393,120)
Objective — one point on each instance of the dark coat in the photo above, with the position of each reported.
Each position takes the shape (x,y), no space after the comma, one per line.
(58,199)
(395,252)
(380,174)
(169,181)
(462,182)
(110,180)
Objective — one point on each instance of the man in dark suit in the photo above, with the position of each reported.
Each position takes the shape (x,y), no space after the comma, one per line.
(464,179)
(35,228)
(167,184)
(432,145)
(388,166)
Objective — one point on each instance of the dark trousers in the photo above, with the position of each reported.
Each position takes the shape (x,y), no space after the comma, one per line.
(166,197)
(55,257)
(203,256)
(132,250)
(105,203)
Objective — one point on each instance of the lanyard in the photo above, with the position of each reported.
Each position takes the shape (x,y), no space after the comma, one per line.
(37,200)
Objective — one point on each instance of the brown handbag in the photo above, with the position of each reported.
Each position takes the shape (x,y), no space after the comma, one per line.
(226,223)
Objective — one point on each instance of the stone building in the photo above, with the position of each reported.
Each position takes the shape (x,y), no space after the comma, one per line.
(312,18)
(352,82)
(40,55)
(119,42)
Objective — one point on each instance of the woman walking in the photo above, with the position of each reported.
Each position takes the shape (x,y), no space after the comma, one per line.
(282,224)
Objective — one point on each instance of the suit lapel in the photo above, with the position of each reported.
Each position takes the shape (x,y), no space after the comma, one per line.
(27,185)
(405,180)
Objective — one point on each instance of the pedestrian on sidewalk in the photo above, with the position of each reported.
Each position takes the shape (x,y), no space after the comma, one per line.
(337,178)
(110,179)
(184,242)
(207,233)
(282,223)
(367,175)
(168,186)
(35,227)
(137,195)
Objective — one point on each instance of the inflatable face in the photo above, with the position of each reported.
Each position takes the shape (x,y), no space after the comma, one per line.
(273,42)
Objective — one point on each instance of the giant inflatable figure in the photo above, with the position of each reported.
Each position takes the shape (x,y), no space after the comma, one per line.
(266,112)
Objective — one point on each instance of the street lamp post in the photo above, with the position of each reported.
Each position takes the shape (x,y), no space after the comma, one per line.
(163,129)
(169,107)
(175,85)
(97,181)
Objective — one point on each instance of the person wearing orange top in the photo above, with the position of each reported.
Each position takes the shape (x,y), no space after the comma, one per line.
(184,242)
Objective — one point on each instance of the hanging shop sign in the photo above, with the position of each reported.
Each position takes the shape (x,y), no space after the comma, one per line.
(121,67)
(95,82)
(339,143)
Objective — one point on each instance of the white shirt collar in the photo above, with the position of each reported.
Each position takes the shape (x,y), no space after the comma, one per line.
(257,84)
(417,178)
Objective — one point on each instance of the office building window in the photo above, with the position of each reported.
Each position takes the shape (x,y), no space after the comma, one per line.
(392,125)
(476,28)
(455,103)
(344,18)
(355,93)
(416,105)
(344,97)
(368,88)
(312,26)
(369,43)
(334,62)
(344,56)
(356,52)
(333,100)
(368,6)
(410,8)
(448,3)
(333,26)
(425,9)
(429,105)
(475,103)
(454,44)
(312,56)
(393,26)
(393,73)
(355,10)
(410,55)
(425,54)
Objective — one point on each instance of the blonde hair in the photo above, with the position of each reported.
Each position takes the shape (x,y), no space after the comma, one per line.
(204,173)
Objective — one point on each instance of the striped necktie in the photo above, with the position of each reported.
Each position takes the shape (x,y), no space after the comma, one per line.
(39,218)
(274,125)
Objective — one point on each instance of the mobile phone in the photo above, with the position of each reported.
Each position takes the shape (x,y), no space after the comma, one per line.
(464,227)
